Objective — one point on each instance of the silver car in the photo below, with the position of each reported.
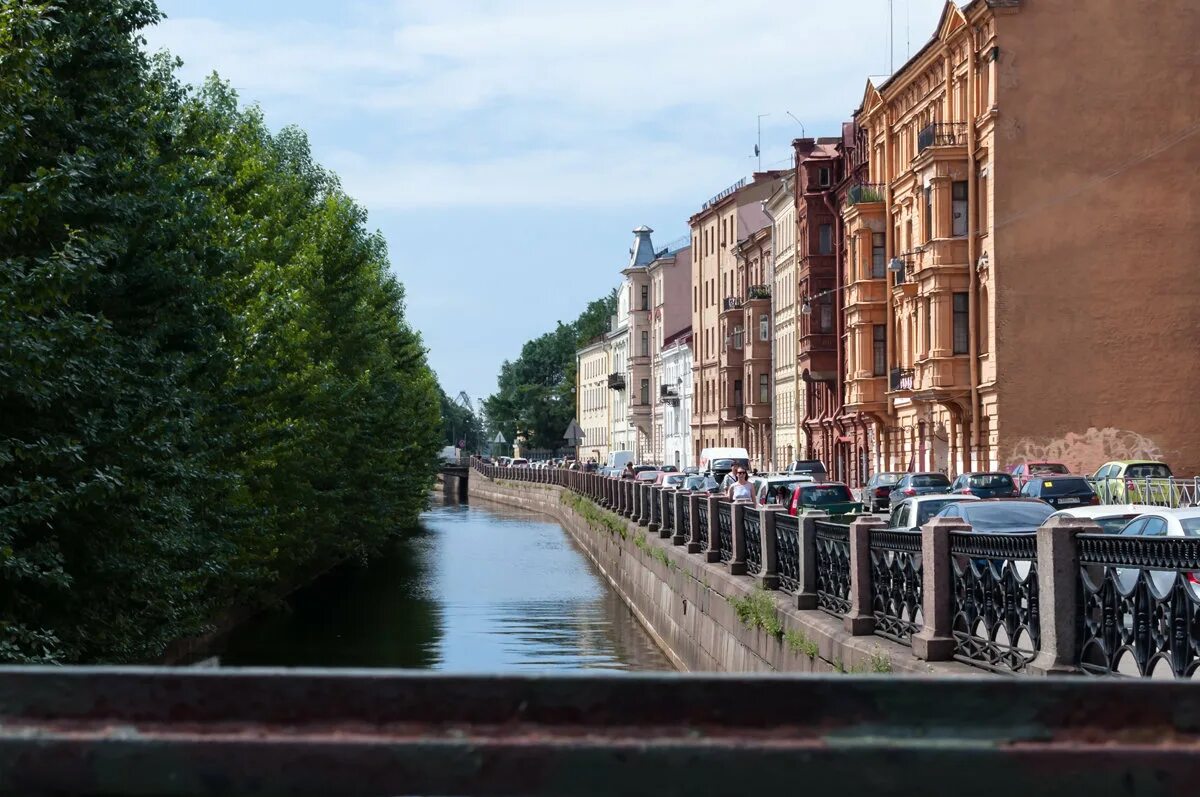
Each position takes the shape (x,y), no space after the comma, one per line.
(913,513)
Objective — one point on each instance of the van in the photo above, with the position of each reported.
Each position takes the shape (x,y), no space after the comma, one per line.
(720,461)
(618,459)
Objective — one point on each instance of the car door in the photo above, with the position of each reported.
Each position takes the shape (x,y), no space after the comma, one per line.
(1031,488)
(1103,488)
(897,518)
(1127,576)
(1018,475)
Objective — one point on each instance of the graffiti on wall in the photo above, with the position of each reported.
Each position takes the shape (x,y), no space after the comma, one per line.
(1085,452)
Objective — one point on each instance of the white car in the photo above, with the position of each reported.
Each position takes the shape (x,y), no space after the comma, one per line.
(1161,522)
(1110,517)
(914,512)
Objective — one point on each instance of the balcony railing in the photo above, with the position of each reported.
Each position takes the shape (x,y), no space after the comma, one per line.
(731,303)
(902,379)
(669,394)
(942,134)
(866,192)
(758,292)
(616,381)
(901,268)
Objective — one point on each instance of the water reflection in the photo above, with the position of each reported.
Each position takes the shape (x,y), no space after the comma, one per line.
(483,588)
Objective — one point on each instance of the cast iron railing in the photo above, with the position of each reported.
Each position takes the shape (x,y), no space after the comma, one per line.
(1140,603)
(942,134)
(752,539)
(896,584)
(702,521)
(667,521)
(725,531)
(656,507)
(865,192)
(787,550)
(833,567)
(685,517)
(996,621)
(902,379)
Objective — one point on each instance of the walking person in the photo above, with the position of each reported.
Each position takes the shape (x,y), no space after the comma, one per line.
(628,472)
(741,490)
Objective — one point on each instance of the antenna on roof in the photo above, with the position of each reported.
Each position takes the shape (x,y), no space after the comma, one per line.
(758,146)
(891,31)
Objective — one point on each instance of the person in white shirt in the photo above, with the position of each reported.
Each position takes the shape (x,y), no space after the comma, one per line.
(741,490)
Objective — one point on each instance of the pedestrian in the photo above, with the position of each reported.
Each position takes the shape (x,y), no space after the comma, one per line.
(628,472)
(741,490)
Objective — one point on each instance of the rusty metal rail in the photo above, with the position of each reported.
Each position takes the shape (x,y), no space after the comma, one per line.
(262,732)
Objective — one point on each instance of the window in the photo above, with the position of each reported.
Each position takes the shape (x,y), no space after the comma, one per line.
(826,239)
(879,350)
(737,393)
(825,314)
(695,299)
(645,297)
(764,389)
(645,391)
(645,344)
(764,327)
(928,213)
(878,266)
(958,204)
(928,327)
(823,176)
(961,317)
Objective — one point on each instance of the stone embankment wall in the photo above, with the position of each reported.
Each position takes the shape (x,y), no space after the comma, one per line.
(690,607)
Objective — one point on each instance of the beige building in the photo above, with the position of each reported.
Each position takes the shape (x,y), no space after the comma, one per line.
(1034,167)
(781,208)
(670,276)
(718,389)
(593,406)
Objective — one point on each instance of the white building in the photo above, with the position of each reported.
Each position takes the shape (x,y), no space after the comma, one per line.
(630,347)
(677,399)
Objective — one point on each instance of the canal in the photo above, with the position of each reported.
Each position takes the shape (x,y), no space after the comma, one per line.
(481,588)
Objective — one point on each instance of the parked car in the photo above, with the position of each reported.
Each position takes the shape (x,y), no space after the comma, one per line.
(1136,482)
(911,514)
(911,484)
(1023,472)
(691,470)
(668,468)
(876,494)
(1110,517)
(985,485)
(672,481)
(811,467)
(1162,522)
(518,462)
(777,490)
(1060,491)
(832,497)
(993,516)
(701,483)
(650,476)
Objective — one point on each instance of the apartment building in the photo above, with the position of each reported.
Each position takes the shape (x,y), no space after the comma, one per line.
(746,324)
(593,400)
(718,375)
(670,277)
(786,403)
(629,342)
(1033,190)
(677,399)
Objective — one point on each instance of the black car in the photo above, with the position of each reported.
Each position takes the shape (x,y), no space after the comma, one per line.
(993,516)
(921,484)
(875,495)
(721,468)
(1061,492)
(985,485)
(809,467)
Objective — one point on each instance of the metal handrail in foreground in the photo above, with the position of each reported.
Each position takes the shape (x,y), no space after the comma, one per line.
(996,617)
(833,567)
(787,550)
(896,587)
(725,530)
(194,733)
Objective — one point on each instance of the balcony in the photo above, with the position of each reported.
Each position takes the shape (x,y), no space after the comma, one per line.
(758,292)
(865,193)
(901,379)
(942,134)
(758,412)
(731,303)
(668,394)
(733,412)
(865,393)
(616,381)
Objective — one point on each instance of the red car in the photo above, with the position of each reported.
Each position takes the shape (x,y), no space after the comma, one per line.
(1027,470)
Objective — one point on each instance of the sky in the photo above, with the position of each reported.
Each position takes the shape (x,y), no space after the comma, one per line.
(506,149)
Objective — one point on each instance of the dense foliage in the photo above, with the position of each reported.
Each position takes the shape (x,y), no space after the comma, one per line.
(535,396)
(207,385)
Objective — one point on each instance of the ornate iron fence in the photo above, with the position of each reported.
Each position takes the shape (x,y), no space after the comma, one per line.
(752,537)
(896,584)
(1140,601)
(996,623)
(787,550)
(655,506)
(725,531)
(685,517)
(833,567)
(702,521)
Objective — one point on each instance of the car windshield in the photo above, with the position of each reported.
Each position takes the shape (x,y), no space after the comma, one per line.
(927,509)
(647,476)
(728,464)
(1148,471)
(671,481)
(1048,467)
(1065,486)
(990,480)
(930,480)
(888,478)
(825,494)
(1000,515)
(1113,525)
(1191,525)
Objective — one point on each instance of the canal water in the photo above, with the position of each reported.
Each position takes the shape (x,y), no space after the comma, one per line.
(481,588)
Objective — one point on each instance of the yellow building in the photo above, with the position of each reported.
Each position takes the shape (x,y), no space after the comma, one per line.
(593,404)
(1029,181)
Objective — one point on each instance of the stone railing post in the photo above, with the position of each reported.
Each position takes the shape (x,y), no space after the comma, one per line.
(680,535)
(737,534)
(860,620)
(769,577)
(694,500)
(806,595)
(666,505)
(643,518)
(935,640)
(1058,595)
(636,514)
(619,497)
(713,552)
(655,499)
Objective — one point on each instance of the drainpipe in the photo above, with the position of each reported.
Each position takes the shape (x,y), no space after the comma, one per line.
(975,412)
